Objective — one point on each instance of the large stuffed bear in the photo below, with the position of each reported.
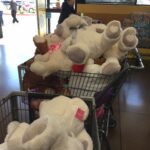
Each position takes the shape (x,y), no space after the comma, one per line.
(88,42)
(62,31)
(73,115)
(116,53)
(61,59)
(48,47)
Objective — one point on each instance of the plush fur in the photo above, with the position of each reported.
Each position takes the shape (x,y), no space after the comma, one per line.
(84,137)
(58,107)
(3,146)
(127,42)
(81,47)
(41,134)
(73,22)
(14,135)
(90,41)
(15,130)
(113,43)
(50,135)
(46,133)
(47,64)
(12,126)
(99,28)
(55,106)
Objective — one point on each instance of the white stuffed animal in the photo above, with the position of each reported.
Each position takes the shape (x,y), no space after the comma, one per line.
(48,63)
(51,59)
(127,42)
(113,43)
(114,53)
(110,41)
(77,48)
(74,111)
(46,133)
(15,132)
(57,106)
(87,44)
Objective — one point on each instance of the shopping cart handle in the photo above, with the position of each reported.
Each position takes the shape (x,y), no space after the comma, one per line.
(139,60)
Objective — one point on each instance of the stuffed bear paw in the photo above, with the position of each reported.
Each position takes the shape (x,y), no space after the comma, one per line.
(111,66)
(128,39)
(113,29)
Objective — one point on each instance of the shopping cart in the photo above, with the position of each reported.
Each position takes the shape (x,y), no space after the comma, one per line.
(18,106)
(103,88)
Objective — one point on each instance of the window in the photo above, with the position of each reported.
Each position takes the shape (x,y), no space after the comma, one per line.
(143,2)
(112,1)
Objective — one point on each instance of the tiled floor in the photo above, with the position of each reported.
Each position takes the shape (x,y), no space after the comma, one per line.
(131,107)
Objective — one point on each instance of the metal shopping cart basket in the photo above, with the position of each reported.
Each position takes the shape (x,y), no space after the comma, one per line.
(97,86)
(74,84)
(17,106)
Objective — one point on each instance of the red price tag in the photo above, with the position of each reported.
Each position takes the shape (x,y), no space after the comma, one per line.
(79,114)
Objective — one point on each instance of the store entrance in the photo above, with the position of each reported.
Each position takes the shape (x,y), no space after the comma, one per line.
(18,36)
(53,8)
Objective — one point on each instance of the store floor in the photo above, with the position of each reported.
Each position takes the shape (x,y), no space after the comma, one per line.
(132,112)
(16,46)
(131,107)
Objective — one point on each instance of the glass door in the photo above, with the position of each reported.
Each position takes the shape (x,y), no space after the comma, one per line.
(53,8)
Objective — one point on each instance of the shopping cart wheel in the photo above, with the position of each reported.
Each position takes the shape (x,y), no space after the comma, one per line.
(112,123)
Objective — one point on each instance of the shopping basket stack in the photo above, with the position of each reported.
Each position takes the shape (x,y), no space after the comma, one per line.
(97,90)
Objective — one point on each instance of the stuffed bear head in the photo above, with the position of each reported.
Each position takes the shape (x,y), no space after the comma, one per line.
(71,114)
(73,22)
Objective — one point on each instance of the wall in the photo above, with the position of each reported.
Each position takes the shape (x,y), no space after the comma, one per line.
(109,12)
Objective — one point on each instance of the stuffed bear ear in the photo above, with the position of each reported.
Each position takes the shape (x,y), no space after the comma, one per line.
(59,30)
(12,126)
(55,106)
(88,19)
(75,21)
